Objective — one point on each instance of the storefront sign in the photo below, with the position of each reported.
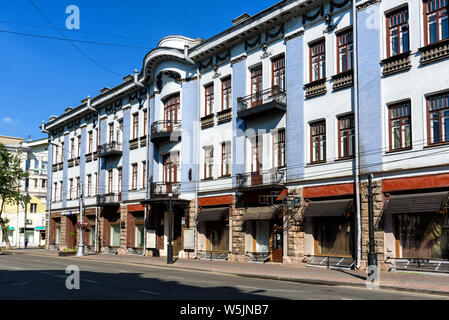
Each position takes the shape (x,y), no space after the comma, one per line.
(151,239)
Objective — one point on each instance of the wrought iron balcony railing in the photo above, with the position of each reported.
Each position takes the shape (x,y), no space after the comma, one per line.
(262,103)
(108,199)
(111,148)
(165,130)
(162,189)
(261,178)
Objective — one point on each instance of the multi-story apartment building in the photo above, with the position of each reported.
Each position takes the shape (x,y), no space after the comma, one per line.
(262,138)
(27,222)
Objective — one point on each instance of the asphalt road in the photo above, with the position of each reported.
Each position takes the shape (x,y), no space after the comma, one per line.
(41,277)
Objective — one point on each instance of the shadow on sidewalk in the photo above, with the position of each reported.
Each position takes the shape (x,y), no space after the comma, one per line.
(351,274)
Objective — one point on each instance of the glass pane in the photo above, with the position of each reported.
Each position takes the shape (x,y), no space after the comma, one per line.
(444,26)
(115,236)
(433,36)
(334,236)
(139,236)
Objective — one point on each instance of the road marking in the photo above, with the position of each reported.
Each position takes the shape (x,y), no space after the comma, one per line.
(47,273)
(17,268)
(91,281)
(252,288)
(173,277)
(346,299)
(19,283)
(150,292)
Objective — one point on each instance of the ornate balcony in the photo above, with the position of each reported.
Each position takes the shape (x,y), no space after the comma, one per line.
(273,178)
(224,116)
(315,88)
(71,162)
(343,80)
(110,149)
(165,131)
(162,189)
(435,51)
(109,199)
(264,103)
(88,157)
(397,63)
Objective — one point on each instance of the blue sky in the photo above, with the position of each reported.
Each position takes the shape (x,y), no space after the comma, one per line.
(41,77)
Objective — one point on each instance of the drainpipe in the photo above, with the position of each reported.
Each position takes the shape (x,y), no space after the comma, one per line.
(89,107)
(146,178)
(357,127)
(49,185)
(195,237)
(136,80)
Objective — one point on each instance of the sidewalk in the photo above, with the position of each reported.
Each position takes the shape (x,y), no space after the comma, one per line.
(410,282)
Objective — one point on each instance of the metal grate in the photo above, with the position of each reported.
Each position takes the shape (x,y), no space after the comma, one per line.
(330,262)
(213,255)
(419,264)
(258,257)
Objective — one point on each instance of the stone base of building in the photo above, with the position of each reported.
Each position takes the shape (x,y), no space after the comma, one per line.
(297,261)
(237,258)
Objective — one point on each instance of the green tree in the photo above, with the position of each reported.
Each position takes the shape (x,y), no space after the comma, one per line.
(11,174)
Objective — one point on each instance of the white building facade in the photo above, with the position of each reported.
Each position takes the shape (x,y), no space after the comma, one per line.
(261,140)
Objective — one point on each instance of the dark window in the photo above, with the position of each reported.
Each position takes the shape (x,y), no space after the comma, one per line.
(400,126)
(208,162)
(436,20)
(33,207)
(278,66)
(135,125)
(256,85)
(344,51)
(317,61)
(226,95)
(438,118)
(145,120)
(209,99)
(226,158)
(89,185)
(318,141)
(397,32)
(279,149)
(90,142)
(346,136)
(110,177)
(171,108)
(134,177)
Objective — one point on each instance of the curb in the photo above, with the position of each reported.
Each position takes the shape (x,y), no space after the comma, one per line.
(267,277)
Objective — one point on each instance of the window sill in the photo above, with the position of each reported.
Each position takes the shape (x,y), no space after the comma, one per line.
(342,159)
(393,151)
(207,179)
(434,51)
(313,164)
(436,145)
(225,177)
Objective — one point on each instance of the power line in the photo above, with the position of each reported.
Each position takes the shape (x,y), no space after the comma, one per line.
(72,43)
(74,40)
(79,31)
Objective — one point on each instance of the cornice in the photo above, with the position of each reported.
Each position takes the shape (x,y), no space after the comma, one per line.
(367,4)
(239,58)
(294,35)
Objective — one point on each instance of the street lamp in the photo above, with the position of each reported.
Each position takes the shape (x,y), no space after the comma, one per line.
(170,231)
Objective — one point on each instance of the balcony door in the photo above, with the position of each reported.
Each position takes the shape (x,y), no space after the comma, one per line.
(171,107)
(170,170)
(256,160)
(256,86)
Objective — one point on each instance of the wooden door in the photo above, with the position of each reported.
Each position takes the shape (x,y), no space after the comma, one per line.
(177,232)
(276,244)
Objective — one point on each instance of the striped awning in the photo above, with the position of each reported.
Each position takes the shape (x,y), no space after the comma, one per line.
(213,214)
(329,208)
(260,213)
(432,202)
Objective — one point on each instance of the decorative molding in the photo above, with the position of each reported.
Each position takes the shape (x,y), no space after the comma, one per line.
(343,80)
(397,63)
(315,88)
(434,52)
(306,18)
(367,4)
(227,55)
(265,54)
(169,73)
(294,35)
(272,35)
(249,44)
(239,58)
(216,73)
(334,4)
(207,64)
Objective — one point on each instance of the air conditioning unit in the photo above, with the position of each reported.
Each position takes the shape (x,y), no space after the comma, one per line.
(28,221)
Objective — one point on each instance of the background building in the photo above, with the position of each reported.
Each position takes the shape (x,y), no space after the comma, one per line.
(33,155)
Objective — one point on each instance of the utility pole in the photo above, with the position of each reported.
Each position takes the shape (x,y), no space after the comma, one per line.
(170,232)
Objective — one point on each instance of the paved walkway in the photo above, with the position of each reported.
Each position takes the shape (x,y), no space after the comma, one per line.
(411,282)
